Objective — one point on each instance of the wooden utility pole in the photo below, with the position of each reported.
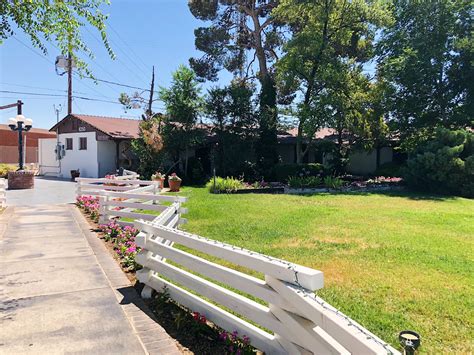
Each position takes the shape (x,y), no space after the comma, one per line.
(18,105)
(152,88)
(69,84)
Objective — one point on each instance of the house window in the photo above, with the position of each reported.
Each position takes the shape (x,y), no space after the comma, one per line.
(83,143)
(68,143)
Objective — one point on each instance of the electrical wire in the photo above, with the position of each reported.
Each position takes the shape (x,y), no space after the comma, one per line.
(130,48)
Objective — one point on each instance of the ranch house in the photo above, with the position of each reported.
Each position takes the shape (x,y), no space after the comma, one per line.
(94,145)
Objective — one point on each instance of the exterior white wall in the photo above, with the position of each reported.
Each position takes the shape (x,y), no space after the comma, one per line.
(84,160)
(386,155)
(106,152)
(361,162)
(48,165)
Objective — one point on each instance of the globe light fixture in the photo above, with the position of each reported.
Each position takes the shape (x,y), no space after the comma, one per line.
(20,124)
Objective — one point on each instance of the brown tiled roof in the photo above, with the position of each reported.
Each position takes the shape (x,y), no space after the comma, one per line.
(321,134)
(115,127)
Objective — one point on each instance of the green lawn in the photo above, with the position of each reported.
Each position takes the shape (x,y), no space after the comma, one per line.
(391,262)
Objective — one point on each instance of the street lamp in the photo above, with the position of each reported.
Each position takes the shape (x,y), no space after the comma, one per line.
(20,124)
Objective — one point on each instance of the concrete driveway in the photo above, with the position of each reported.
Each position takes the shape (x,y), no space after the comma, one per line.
(61,291)
(47,191)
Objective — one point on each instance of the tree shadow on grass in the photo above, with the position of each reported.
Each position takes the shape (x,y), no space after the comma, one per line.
(412,195)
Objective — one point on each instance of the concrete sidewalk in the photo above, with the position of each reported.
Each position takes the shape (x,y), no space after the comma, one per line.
(47,191)
(55,296)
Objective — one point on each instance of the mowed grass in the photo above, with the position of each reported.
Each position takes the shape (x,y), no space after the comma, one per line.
(390,261)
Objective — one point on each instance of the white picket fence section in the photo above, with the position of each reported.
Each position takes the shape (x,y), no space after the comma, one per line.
(118,205)
(3,193)
(290,319)
(93,187)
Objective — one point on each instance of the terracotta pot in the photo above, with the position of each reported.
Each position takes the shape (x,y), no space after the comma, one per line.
(162,182)
(174,185)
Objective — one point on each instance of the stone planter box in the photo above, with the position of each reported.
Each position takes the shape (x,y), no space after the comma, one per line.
(21,180)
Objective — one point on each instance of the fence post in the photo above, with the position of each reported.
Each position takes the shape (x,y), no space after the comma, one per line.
(3,195)
(156,190)
(103,208)
(142,257)
(78,188)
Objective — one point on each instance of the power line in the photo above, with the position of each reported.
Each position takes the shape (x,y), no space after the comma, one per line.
(118,84)
(30,93)
(129,47)
(118,59)
(39,87)
(60,95)
(32,50)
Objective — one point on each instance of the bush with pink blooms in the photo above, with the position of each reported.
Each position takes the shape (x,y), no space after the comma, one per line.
(123,240)
(90,205)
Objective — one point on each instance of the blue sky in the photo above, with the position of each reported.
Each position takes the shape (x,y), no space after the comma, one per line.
(142,33)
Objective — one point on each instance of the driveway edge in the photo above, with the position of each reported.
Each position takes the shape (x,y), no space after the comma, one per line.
(152,336)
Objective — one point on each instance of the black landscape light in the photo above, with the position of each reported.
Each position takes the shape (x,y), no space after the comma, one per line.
(410,341)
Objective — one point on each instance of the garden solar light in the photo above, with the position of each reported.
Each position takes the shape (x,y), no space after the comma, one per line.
(410,341)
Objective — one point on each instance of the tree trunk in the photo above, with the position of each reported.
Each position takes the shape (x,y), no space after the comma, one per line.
(266,147)
(186,161)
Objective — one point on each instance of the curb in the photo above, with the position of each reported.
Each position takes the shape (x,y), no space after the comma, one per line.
(153,336)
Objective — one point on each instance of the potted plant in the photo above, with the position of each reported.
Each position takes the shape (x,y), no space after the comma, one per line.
(110,177)
(174,181)
(159,177)
(75,174)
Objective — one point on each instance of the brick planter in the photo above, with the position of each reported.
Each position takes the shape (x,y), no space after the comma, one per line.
(21,180)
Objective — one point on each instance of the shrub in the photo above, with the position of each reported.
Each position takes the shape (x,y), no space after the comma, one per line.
(282,172)
(5,169)
(224,185)
(301,182)
(196,173)
(389,169)
(443,164)
(333,182)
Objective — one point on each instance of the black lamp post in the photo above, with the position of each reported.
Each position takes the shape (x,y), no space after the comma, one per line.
(20,124)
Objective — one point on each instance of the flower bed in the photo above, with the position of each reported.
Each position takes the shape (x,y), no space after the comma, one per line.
(122,240)
(195,331)
(90,205)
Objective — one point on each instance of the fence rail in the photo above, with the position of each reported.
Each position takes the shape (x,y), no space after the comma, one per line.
(3,193)
(288,318)
(93,187)
(279,313)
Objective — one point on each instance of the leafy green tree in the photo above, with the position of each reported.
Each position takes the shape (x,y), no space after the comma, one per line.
(426,57)
(443,163)
(239,33)
(183,104)
(330,40)
(58,22)
(231,112)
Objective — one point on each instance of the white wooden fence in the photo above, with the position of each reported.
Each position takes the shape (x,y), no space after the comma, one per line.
(3,193)
(124,200)
(289,317)
(93,187)
(280,313)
